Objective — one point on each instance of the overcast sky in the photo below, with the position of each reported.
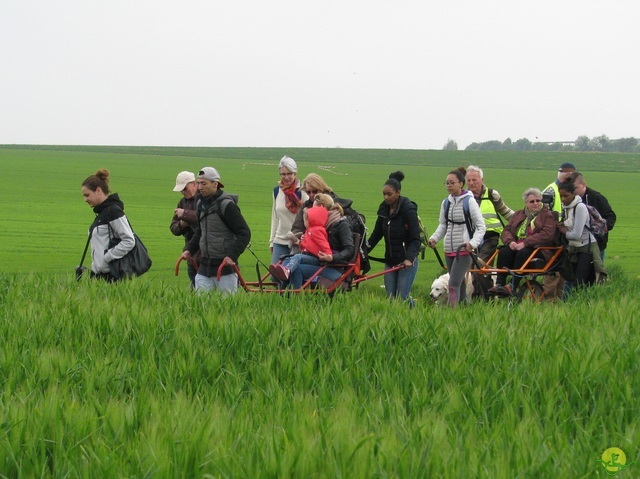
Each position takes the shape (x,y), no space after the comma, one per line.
(359,73)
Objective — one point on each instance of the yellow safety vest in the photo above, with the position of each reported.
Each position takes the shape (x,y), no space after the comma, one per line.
(557,202)
(489,213)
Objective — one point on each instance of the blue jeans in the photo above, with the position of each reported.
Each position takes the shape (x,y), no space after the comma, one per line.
(279,250)
(398,283)
(191,271)
(227,285)
(294,262)
(305,271)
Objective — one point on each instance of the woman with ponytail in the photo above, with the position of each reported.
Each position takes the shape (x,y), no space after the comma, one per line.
(462,226)
(397,223)
(110,222)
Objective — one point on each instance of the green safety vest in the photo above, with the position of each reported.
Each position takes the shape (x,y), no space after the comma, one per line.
(557,203)
(489,213)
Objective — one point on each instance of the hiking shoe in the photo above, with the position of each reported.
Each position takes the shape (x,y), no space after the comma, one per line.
(500,290)
(505,290)
(493,290)
(279,272)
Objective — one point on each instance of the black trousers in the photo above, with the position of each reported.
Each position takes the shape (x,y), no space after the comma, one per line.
(508,258)
(103,276)
(481,284)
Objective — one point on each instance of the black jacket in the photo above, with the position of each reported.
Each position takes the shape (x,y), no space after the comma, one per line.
(400,230)
(341,241)
(298,222)
(599,202)
(221,231)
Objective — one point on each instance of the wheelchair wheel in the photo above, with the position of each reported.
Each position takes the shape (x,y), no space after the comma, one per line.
(530,291)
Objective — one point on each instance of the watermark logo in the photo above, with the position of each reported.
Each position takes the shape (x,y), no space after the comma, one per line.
(614,460)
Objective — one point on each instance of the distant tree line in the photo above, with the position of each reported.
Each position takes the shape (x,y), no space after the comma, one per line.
(582,143)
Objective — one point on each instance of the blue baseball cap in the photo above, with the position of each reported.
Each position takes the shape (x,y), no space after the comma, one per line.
(567,166)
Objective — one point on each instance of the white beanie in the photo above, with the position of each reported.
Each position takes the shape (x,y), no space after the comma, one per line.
(289,164)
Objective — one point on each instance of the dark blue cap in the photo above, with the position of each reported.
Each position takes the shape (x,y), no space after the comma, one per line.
(567,166)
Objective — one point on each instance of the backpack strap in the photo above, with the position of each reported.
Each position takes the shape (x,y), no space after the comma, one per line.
(465,211)
(223,206)
(467,216)
(86,247)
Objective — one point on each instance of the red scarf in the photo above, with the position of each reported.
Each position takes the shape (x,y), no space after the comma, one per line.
(291,200)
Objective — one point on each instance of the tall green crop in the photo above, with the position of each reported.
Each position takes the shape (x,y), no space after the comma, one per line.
(140,379)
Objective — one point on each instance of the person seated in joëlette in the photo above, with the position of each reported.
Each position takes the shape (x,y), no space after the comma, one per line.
(313,242)
(528,228)
(340,236)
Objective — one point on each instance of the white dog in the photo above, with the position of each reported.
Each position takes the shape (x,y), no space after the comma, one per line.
(440,289)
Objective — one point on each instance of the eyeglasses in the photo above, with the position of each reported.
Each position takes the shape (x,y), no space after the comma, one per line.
(287,174)
(451,183)
(534,201)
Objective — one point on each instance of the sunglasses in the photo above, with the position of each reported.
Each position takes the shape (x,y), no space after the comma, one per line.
(534,201)
(313,192)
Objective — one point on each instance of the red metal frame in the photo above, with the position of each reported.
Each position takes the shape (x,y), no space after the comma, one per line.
(352,276)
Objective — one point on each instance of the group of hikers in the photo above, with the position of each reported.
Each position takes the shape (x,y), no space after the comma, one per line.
(312,227)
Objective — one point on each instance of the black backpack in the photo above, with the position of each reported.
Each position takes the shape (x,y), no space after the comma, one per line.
(357,222)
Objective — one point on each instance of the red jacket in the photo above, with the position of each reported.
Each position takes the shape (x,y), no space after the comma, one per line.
(315,237)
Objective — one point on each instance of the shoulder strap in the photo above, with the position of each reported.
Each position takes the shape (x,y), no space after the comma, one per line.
(467,215)
(86,247)
(277,189)
(465,211)
(223,206)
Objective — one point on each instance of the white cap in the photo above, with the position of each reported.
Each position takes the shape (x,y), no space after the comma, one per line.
(183,179)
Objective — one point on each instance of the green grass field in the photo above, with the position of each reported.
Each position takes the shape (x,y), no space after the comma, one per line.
(145,379)
(46,224)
